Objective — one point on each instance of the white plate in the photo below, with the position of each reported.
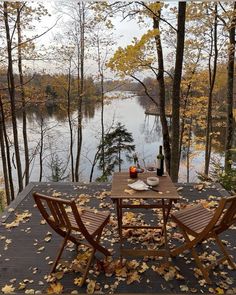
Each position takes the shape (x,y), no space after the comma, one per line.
(139,185)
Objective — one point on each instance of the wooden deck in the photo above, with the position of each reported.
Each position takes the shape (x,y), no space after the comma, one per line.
(25,254)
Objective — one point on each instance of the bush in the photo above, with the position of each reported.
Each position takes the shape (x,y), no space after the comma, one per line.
(227,180)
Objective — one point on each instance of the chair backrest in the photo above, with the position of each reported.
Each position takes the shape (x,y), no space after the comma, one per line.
(55,212)
(223,218)
(228,214)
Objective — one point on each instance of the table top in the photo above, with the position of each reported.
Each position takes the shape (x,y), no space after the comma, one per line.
(120,181)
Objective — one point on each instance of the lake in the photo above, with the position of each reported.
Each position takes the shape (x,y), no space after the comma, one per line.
(128,110)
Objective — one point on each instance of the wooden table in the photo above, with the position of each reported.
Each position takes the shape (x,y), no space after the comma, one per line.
(163,199)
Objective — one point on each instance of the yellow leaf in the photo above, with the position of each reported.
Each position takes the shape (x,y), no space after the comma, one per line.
(144,267)
(133,264)
(22,286)
(129,191)
(133,276)
(121,272)
(55,288)
(56,194)
(91,287)
(48,239)
(59,275)
(219,290)
(78,281)
(184,288)
(8,289)
(29,291)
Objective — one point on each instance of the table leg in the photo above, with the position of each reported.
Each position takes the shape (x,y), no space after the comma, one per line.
(119,220)
(165,219)
(166,214)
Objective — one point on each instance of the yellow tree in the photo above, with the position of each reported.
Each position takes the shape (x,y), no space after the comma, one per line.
(146,54)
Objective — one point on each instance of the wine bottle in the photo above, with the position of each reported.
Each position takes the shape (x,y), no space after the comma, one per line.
(160,162)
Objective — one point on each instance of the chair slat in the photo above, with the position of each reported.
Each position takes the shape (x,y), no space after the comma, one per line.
(89,225)
(203,224)
(53,211)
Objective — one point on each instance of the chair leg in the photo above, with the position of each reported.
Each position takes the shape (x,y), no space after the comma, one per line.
(194,254)
(87,267)
(226,254)
(64,242)
(175,252)
(200,266)
(90,260)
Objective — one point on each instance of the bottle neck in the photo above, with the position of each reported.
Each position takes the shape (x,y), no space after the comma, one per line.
(160,150)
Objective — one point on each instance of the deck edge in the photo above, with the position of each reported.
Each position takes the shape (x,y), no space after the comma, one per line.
(14,204)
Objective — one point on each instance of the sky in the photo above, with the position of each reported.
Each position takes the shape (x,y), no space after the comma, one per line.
(125,31)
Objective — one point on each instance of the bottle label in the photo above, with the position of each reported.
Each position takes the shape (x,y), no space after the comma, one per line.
(158,163)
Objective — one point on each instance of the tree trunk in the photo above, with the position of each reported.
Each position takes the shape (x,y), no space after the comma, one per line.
(41,150)
(175,138)
(80,87)
(160,79)
(188,148)
(7,152)
(102,123)
(22,93)
(11,89)
(100,70)
(230,93)
(70,123)
(4,161)
(119,157)
(186,102)
(212,76)
(93,165)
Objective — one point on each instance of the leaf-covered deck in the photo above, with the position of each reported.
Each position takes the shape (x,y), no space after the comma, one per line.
(28,247)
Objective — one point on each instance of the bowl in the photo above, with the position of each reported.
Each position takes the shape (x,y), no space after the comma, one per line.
(152,181)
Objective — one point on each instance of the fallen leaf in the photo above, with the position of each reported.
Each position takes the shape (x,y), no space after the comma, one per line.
(121,272)
(132,277)
(41,248)
(8,289)
(29,291)
(219,291)
(133,264)
(56,194)
(144,267)
(55,288)
(22,286)
(91,286)
(184,288)
(129,191)
(48,239)
(78,281)
(59,275)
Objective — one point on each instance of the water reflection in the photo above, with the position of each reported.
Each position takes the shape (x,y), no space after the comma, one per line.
(124,107)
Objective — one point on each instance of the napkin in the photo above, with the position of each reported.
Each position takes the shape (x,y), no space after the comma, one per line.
(139,185)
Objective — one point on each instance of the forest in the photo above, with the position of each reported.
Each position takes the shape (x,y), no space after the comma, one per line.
(182,62)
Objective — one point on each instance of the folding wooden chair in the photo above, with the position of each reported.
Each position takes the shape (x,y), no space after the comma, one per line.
(65,218)
(203,224)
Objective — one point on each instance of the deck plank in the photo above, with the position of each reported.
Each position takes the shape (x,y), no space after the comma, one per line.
(19,258)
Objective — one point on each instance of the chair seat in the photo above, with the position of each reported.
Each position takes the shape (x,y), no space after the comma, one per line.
(91,220)
(203,224)
(194,219)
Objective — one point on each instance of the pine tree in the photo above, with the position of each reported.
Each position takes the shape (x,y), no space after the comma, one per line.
(116,142)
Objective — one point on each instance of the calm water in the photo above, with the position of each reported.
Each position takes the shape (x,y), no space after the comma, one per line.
(146,131)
